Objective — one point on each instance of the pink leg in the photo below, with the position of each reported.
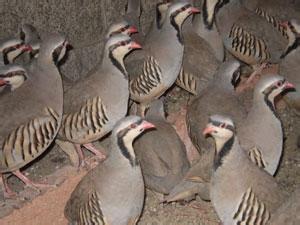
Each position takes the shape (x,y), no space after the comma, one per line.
(80,154)
(29,182)
(8,193)
(94,150)
(256,71)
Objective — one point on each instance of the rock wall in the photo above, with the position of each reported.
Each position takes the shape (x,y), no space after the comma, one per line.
(84,22)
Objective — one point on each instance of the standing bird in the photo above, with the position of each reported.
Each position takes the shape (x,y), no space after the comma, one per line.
(10,49)
(241,193)
(113,192)
(219,97)
(161,152)
(12,77)
(289,66)
(93,105)
(261,133)
(163,58)
(246,35)
(31,115)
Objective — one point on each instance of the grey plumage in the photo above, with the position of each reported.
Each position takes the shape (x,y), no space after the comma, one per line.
(246,35)
(113,192)
(31,115)
(261,134)
(92,106)
(162,58)
(256,195)
(161,152)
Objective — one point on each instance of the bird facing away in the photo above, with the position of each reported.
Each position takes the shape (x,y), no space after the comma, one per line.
(113,192)
(246,35)
(92,106)
(161,152)
(241,192)
(261,133)
(162,58)
(31,114)
(289,66)
(10,49)
(12,77)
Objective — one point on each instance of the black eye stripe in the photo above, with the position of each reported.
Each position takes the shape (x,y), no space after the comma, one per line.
(180,10)
(121,43)
(221,124)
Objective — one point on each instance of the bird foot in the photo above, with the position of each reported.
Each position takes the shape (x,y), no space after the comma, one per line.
(96,151)
(29,183)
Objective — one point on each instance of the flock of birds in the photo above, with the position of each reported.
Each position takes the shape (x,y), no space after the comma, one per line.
(235,170)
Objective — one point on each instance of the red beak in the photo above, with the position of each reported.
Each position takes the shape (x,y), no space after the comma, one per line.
(207,130)
(132,30)
(146,125)
(135,45)
(288,85)
(285,24)
(2,82)
(194,10)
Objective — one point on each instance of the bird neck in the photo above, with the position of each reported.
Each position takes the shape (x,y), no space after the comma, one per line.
(294,43)
(116,61)
(175,26)
(263,105)
(223,148)
(125,151)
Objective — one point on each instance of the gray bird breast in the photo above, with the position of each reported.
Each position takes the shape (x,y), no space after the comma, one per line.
(162,156)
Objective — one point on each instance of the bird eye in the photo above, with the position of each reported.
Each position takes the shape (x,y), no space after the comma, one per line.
(122,29)
(18,46)
(132,126)
(223,125)
(279,83)
(122,43)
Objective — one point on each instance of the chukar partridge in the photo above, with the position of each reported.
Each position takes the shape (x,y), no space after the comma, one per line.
(10,49)
(31,115)
(113,192)
(203,53)
(93,106)
(219,97)
(247,36)
(163,58)
(11,77)
(241,192)
(121,27)
(289,66)
(161,152)
(261,133)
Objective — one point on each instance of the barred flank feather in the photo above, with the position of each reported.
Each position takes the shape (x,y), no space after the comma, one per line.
(273,21)
(90,213)
(89,120)
(149,79)
(247,45)
(251,211)
(30,140)
(187,81)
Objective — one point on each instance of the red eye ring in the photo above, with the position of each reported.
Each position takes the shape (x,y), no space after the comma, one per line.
(223,125)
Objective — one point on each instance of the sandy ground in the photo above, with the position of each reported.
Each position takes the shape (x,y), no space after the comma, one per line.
(47,208)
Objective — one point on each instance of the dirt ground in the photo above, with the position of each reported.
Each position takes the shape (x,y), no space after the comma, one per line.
(47,208)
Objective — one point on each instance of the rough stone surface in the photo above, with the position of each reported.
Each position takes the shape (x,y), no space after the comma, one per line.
(84,23)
